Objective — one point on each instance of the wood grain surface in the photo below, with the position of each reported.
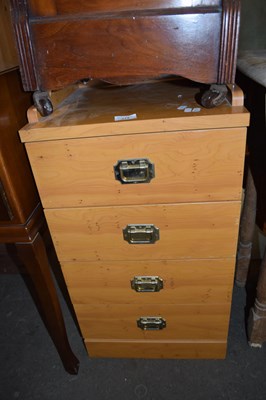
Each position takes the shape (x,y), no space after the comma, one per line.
(62,42)
(125,49)
(189,166)
(194,200)
(201,281)
(8,51)
(183,322)
(199,230)
(91,111)
(156,349)
(66,7)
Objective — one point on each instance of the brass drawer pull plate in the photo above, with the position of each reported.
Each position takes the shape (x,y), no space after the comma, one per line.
(147,283)
(134,171)
(141,234)
(151,323)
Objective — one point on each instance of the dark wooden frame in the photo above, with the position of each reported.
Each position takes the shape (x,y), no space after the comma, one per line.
(35,36)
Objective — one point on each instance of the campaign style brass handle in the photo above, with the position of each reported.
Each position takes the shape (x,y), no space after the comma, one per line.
(141,233)
(147,283)
(139,170)
(151,323)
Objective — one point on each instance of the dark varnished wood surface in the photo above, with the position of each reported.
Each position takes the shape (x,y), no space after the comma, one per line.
(117,53)
(66,7)
(122,42)
(18,192)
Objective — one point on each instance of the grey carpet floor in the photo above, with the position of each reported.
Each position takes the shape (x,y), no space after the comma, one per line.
(31,368)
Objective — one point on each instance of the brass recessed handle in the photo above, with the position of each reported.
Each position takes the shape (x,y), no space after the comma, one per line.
(141,233)
(151,323)
(147,283)
(137,170)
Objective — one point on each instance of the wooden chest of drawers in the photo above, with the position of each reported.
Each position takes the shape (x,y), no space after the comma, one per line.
(142,192)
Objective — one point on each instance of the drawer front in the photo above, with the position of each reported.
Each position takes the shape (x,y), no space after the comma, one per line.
(183,322)
(155,349)
(205,230)
(183,281)
(188,166)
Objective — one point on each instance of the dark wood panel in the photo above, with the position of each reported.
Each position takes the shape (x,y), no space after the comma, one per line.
(229,41)
(20,20)
(18,185)
(59,7)
(8,53)
(6,213)
(22,233)
(127,50)
(61,41)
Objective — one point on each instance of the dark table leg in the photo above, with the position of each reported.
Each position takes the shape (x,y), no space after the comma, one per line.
(257,316)
(246,232)
(34,257)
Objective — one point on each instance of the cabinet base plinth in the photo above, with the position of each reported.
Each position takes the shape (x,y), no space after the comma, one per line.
(155,349)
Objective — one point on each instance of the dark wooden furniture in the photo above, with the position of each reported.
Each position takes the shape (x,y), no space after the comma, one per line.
(124,42)
(21,215)
(252,78)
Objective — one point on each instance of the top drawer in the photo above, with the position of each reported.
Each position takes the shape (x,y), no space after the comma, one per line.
(188,166)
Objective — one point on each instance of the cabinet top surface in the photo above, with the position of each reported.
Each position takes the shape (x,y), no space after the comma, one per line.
(103,110)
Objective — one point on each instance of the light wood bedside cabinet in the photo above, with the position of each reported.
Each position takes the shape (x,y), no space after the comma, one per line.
(142,190)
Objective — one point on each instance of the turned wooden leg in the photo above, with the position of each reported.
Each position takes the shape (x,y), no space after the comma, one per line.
(257,316)
(34,257)
(247,225)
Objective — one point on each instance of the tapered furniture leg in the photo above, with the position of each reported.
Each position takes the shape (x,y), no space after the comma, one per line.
(257,316)
(247,225)
(33,255)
